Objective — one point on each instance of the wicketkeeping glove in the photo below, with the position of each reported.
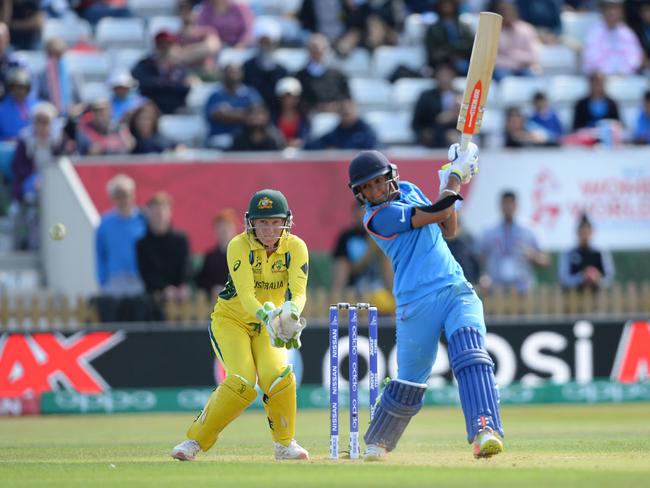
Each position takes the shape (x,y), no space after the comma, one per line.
(291,325)
(463,164)
(269,315)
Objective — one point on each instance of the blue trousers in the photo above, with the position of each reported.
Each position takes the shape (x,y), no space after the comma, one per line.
(420,323)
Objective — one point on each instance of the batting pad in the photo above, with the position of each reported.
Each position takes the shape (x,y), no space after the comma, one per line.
(400,401)
(474,370)
(280,406)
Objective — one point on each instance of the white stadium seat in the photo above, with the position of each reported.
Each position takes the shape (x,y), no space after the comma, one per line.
(387,58)
(415,29)
(470,19)
(322,123)
(34,60)
(126,59)
(293,59)
(493,121)
(519,90)
(150,8)
(89,66)
(629,116)
(576,25)
(183,129)
(93,90)
(627,89)
(163,22)
(565,114)
(357,63)
(370,92)
(558,59)
(392,127)
(231,55)
(199,94)
(120,33)
(70,29)
(406,91)
(564,89)
(275,7)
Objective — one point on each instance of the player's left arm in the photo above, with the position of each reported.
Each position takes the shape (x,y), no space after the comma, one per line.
(298,272)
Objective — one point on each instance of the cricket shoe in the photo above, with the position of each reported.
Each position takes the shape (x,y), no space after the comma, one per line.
(374,452)
(487,443)
(186,450)
(292,451)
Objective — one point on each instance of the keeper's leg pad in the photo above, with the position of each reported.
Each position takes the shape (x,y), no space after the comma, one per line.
(225,404)
(474,370)
(399,401)
(280,406)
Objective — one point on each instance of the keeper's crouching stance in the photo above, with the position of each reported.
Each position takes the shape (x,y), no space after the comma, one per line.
(432,296)
(256,319)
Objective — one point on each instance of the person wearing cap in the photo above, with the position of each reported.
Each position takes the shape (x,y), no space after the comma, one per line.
(56,84)
(256,318)
(124,99)
(16,107)
(262,71)
(611,47)
(291,118)
(160,77)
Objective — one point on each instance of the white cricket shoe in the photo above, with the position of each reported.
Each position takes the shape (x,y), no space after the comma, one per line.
(186,450)
(374,452)
(487,443)
(292,451)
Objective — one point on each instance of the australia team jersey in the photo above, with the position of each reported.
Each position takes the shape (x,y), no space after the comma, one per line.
(255,278)
(421,260)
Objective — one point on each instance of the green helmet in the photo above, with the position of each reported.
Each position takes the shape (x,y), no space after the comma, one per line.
(268,204)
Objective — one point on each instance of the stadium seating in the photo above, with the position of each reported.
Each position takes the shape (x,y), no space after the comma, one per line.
(293,59)
(126,59)
(322,123)
(89,66)
(558,59)
(183,129)
(406,91)
(120,33)
(275,7)
(70,29)
(34,60)
(629,116)
(357,63)
(198,96)
(231,55)
(393,127)
(627,89)
(163,22)
(566,90)
(370,92)
(519,90)
(387,58)
(150,8)
(94,90)
(576,25)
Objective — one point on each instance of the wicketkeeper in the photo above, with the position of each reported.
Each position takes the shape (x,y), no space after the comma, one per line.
(255,320)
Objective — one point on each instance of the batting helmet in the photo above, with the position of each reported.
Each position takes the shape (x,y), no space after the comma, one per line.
(368,165)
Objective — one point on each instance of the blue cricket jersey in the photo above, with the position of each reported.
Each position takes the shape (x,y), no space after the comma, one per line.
(421,260)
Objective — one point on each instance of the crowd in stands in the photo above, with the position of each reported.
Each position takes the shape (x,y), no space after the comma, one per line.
(257,76)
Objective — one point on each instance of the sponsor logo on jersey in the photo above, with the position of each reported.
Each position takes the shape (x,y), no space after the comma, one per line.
(278,266)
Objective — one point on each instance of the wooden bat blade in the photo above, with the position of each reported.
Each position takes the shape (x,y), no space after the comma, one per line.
(479,75)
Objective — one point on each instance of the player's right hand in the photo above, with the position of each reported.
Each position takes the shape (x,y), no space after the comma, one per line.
(464,164)
(269,315)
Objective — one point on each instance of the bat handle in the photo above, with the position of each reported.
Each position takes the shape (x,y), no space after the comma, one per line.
(464,141)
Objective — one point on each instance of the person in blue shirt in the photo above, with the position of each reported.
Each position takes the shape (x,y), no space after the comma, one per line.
(432,296)
(642,128)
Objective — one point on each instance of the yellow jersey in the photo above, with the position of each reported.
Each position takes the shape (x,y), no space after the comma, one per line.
(255,278)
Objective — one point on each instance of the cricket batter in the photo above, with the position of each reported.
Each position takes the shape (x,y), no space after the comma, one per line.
(432,295)
(256,318)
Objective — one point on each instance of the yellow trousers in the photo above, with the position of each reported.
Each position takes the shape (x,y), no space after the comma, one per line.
(248,358)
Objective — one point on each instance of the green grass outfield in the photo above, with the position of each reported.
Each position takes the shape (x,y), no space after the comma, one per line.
(546,446)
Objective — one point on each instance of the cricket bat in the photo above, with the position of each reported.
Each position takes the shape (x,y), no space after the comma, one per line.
(479,76)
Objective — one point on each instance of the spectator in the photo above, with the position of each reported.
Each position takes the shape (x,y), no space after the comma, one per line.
(25,19)
(227,108)
(641,26)
(55,83)
(95,10)
(520,134)
(232,20)
(585,267)
(213,275)
(371,24)
(509,251)
(143,126)
(321,17)
(125,98)
(595,106)
(17,104)
(611,47)
(258,133)
(352,132)
(119,230)
(544,15)
(436,111)
(199,44)
(291,120)
(642,128)
(38,145)
(8,60)
(519,45)
(323,87)
(448,39)
(97,135)
(360,264)
(463,247)
(261,71)
(546,119)
(159,76)
(163,253)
